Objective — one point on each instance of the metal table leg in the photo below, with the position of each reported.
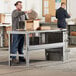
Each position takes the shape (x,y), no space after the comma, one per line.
(65,52)
(1,36)
(9,48)
(27,50)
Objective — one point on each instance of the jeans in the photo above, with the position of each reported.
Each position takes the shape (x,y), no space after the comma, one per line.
(17,44)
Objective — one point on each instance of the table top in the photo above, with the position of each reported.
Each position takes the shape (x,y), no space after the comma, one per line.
(72,25)
(40,31)
(6,25)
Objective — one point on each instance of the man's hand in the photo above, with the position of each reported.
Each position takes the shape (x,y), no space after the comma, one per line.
(29,11)
(70,14)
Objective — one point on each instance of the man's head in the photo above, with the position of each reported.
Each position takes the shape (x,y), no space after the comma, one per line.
(18,5)
(63,5)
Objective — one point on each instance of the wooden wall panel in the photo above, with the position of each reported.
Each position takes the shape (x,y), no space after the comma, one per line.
(52,7)
(64,1)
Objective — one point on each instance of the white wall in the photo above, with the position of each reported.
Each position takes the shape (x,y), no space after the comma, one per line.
(9,6)
(72,8)
(37,6)
(12,7)
(1,6)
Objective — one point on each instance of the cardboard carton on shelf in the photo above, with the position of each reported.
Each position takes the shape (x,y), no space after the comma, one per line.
(6,29)
(31,25)
(2,18)
(73,33)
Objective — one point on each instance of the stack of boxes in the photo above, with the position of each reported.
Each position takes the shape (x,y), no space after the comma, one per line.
(4,29)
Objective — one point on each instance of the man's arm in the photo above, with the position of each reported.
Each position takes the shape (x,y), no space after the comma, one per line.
(66,14)
(56,14)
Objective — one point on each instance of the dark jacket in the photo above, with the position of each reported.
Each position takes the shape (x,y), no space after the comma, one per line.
(17,16)
(61,15)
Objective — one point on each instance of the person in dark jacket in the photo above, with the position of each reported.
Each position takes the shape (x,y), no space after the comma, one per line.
(61,15)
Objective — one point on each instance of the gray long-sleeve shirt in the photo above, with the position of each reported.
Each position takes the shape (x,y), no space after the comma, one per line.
(17,16)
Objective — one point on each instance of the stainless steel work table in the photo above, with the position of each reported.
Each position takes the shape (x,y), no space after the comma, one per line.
(41,46)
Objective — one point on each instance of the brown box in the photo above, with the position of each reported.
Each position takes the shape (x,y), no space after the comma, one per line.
(73,33)
(31,24)
(5,36)
(45,28)
(2,18)
(48,18)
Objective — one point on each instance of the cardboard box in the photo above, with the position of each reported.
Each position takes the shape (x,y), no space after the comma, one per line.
(45,28)
(73,33)
(48,18)
(31,25)
(5,35)
(2,18)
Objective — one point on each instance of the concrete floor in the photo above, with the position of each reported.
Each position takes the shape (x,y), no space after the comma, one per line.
(38,66)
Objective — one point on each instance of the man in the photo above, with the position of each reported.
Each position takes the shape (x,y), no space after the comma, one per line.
(61,15)
(17,39)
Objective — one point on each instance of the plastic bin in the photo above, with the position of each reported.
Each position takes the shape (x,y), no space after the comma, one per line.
(55,54)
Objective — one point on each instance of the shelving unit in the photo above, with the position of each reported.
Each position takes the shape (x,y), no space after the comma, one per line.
(72,39)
